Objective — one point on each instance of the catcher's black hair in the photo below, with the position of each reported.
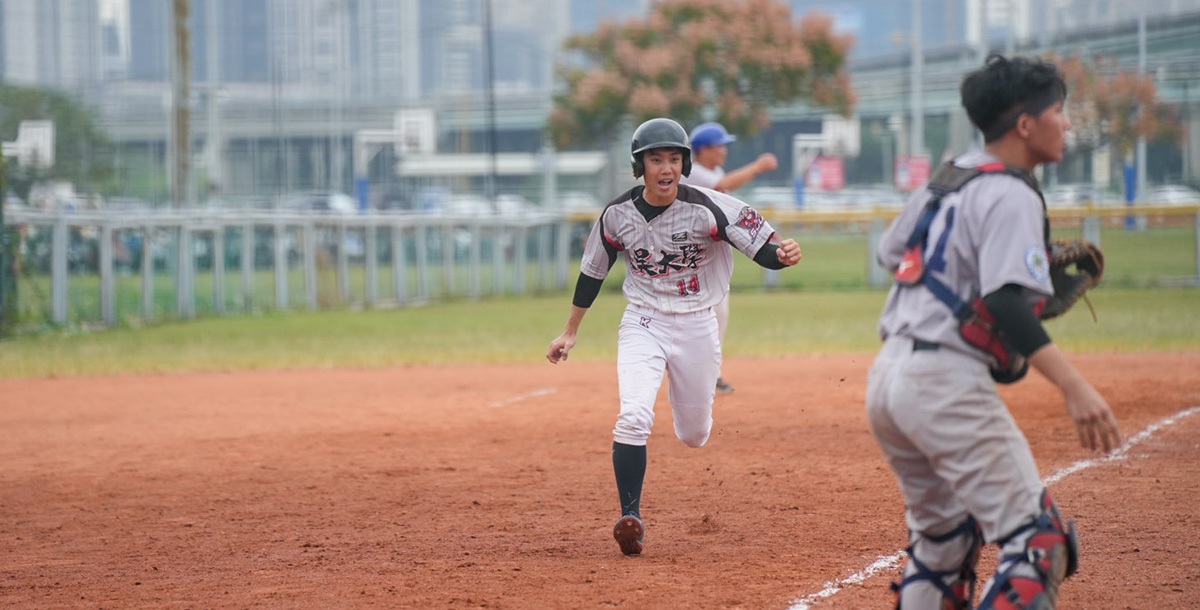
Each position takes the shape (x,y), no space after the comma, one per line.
(997,94)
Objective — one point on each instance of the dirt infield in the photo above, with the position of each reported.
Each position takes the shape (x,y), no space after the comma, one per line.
(492,487)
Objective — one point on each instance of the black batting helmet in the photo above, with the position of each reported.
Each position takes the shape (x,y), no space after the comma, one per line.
(659,133)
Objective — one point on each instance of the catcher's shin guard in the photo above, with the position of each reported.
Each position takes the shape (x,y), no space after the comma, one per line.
(1033,563)
(941,569)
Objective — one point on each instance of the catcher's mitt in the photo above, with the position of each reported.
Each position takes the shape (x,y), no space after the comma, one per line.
(1070,285)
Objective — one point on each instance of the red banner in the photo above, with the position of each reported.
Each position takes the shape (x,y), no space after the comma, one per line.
(911,172)
(826,173)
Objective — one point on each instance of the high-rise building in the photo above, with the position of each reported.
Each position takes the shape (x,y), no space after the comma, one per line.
(113,57)
(1067,15)
(52,43)
(526,36)
(882,27)
(243,36)
(386,50)
(149,40)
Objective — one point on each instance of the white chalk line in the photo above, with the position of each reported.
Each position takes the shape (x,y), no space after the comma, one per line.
(884,564)
(525,396)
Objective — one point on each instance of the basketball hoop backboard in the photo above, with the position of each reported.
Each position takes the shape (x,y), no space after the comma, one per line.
(805,148)
(34,146)
(842,136)
(416,131)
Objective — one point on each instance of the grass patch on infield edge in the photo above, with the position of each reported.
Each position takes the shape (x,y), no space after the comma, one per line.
(514,330)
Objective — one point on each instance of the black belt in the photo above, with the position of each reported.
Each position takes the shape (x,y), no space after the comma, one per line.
(924,346)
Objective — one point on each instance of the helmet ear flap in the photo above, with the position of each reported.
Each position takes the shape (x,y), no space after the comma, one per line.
(687,163)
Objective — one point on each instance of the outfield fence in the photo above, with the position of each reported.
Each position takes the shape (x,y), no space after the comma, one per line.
(106,268)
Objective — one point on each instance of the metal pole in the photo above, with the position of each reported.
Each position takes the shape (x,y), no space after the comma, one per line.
(399,265)
(371,239)
(1141,143)
(336,152)
(59,283)
(213,147)
(107,281)
(1010,43)
(917,135)
(247,260)
(491,97)
(5,264)
(1185,117)
(984,45)
(147,272)
(219,268)
(180,151)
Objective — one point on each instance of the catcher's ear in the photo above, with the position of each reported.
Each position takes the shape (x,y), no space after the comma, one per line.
(1025,125)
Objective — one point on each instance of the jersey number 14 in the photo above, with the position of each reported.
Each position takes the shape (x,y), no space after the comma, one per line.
(687,287)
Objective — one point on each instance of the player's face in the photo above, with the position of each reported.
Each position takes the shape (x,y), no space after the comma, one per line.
(712,157)
(663,166)
(1048,137)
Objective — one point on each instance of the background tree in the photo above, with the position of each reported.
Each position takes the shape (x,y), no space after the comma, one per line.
(82,152)
(738,57)
(1114,107)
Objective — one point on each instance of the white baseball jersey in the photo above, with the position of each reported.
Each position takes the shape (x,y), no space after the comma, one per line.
(702,176)
(679,261)
(988,234)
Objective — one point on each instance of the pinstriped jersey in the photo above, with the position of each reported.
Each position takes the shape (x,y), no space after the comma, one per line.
(702,176)
(681,260)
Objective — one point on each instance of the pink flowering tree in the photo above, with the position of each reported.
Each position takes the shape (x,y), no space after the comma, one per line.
(738,56)
(1107,105)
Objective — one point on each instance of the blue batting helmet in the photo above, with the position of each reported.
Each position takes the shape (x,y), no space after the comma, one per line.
(710,134)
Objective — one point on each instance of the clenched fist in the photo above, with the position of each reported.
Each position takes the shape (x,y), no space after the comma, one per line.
(789,252)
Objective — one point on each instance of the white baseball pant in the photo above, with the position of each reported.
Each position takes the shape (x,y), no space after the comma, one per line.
(686,348)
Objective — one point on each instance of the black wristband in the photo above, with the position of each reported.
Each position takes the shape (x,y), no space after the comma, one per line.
(766,257)
(586,290)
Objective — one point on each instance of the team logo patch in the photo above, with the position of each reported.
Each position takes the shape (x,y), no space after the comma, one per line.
(1037,263)
(678,237)
(751,221)
(644,322)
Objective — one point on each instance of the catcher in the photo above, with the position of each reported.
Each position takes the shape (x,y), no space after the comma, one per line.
(975,275)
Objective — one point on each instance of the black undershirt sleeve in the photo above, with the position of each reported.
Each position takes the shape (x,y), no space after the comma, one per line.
(1016,318)
(766,257)
(586,290)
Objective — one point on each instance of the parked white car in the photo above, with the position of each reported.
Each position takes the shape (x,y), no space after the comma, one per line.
(1079,195)
(321,202)
(1172,194)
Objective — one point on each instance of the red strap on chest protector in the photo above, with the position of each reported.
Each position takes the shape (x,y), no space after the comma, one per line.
(977,325)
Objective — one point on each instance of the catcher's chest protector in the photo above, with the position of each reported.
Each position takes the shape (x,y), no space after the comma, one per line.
(976,324)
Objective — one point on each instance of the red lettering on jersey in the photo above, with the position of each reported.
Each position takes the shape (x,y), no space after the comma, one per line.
(751,221)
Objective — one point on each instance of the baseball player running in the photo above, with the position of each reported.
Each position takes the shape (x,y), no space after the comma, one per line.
(676,243)
(977,234)
(709,149)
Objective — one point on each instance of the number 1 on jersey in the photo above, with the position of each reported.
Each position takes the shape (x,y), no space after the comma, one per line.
(687,287)
(937,262)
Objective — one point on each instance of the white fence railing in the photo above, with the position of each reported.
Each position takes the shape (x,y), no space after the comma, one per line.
(425,257)
(104,267)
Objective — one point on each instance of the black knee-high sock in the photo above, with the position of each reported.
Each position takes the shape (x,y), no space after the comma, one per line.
(629,462)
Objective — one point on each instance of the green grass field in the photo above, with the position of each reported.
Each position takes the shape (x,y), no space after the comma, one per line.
(763,324)
(824,305)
